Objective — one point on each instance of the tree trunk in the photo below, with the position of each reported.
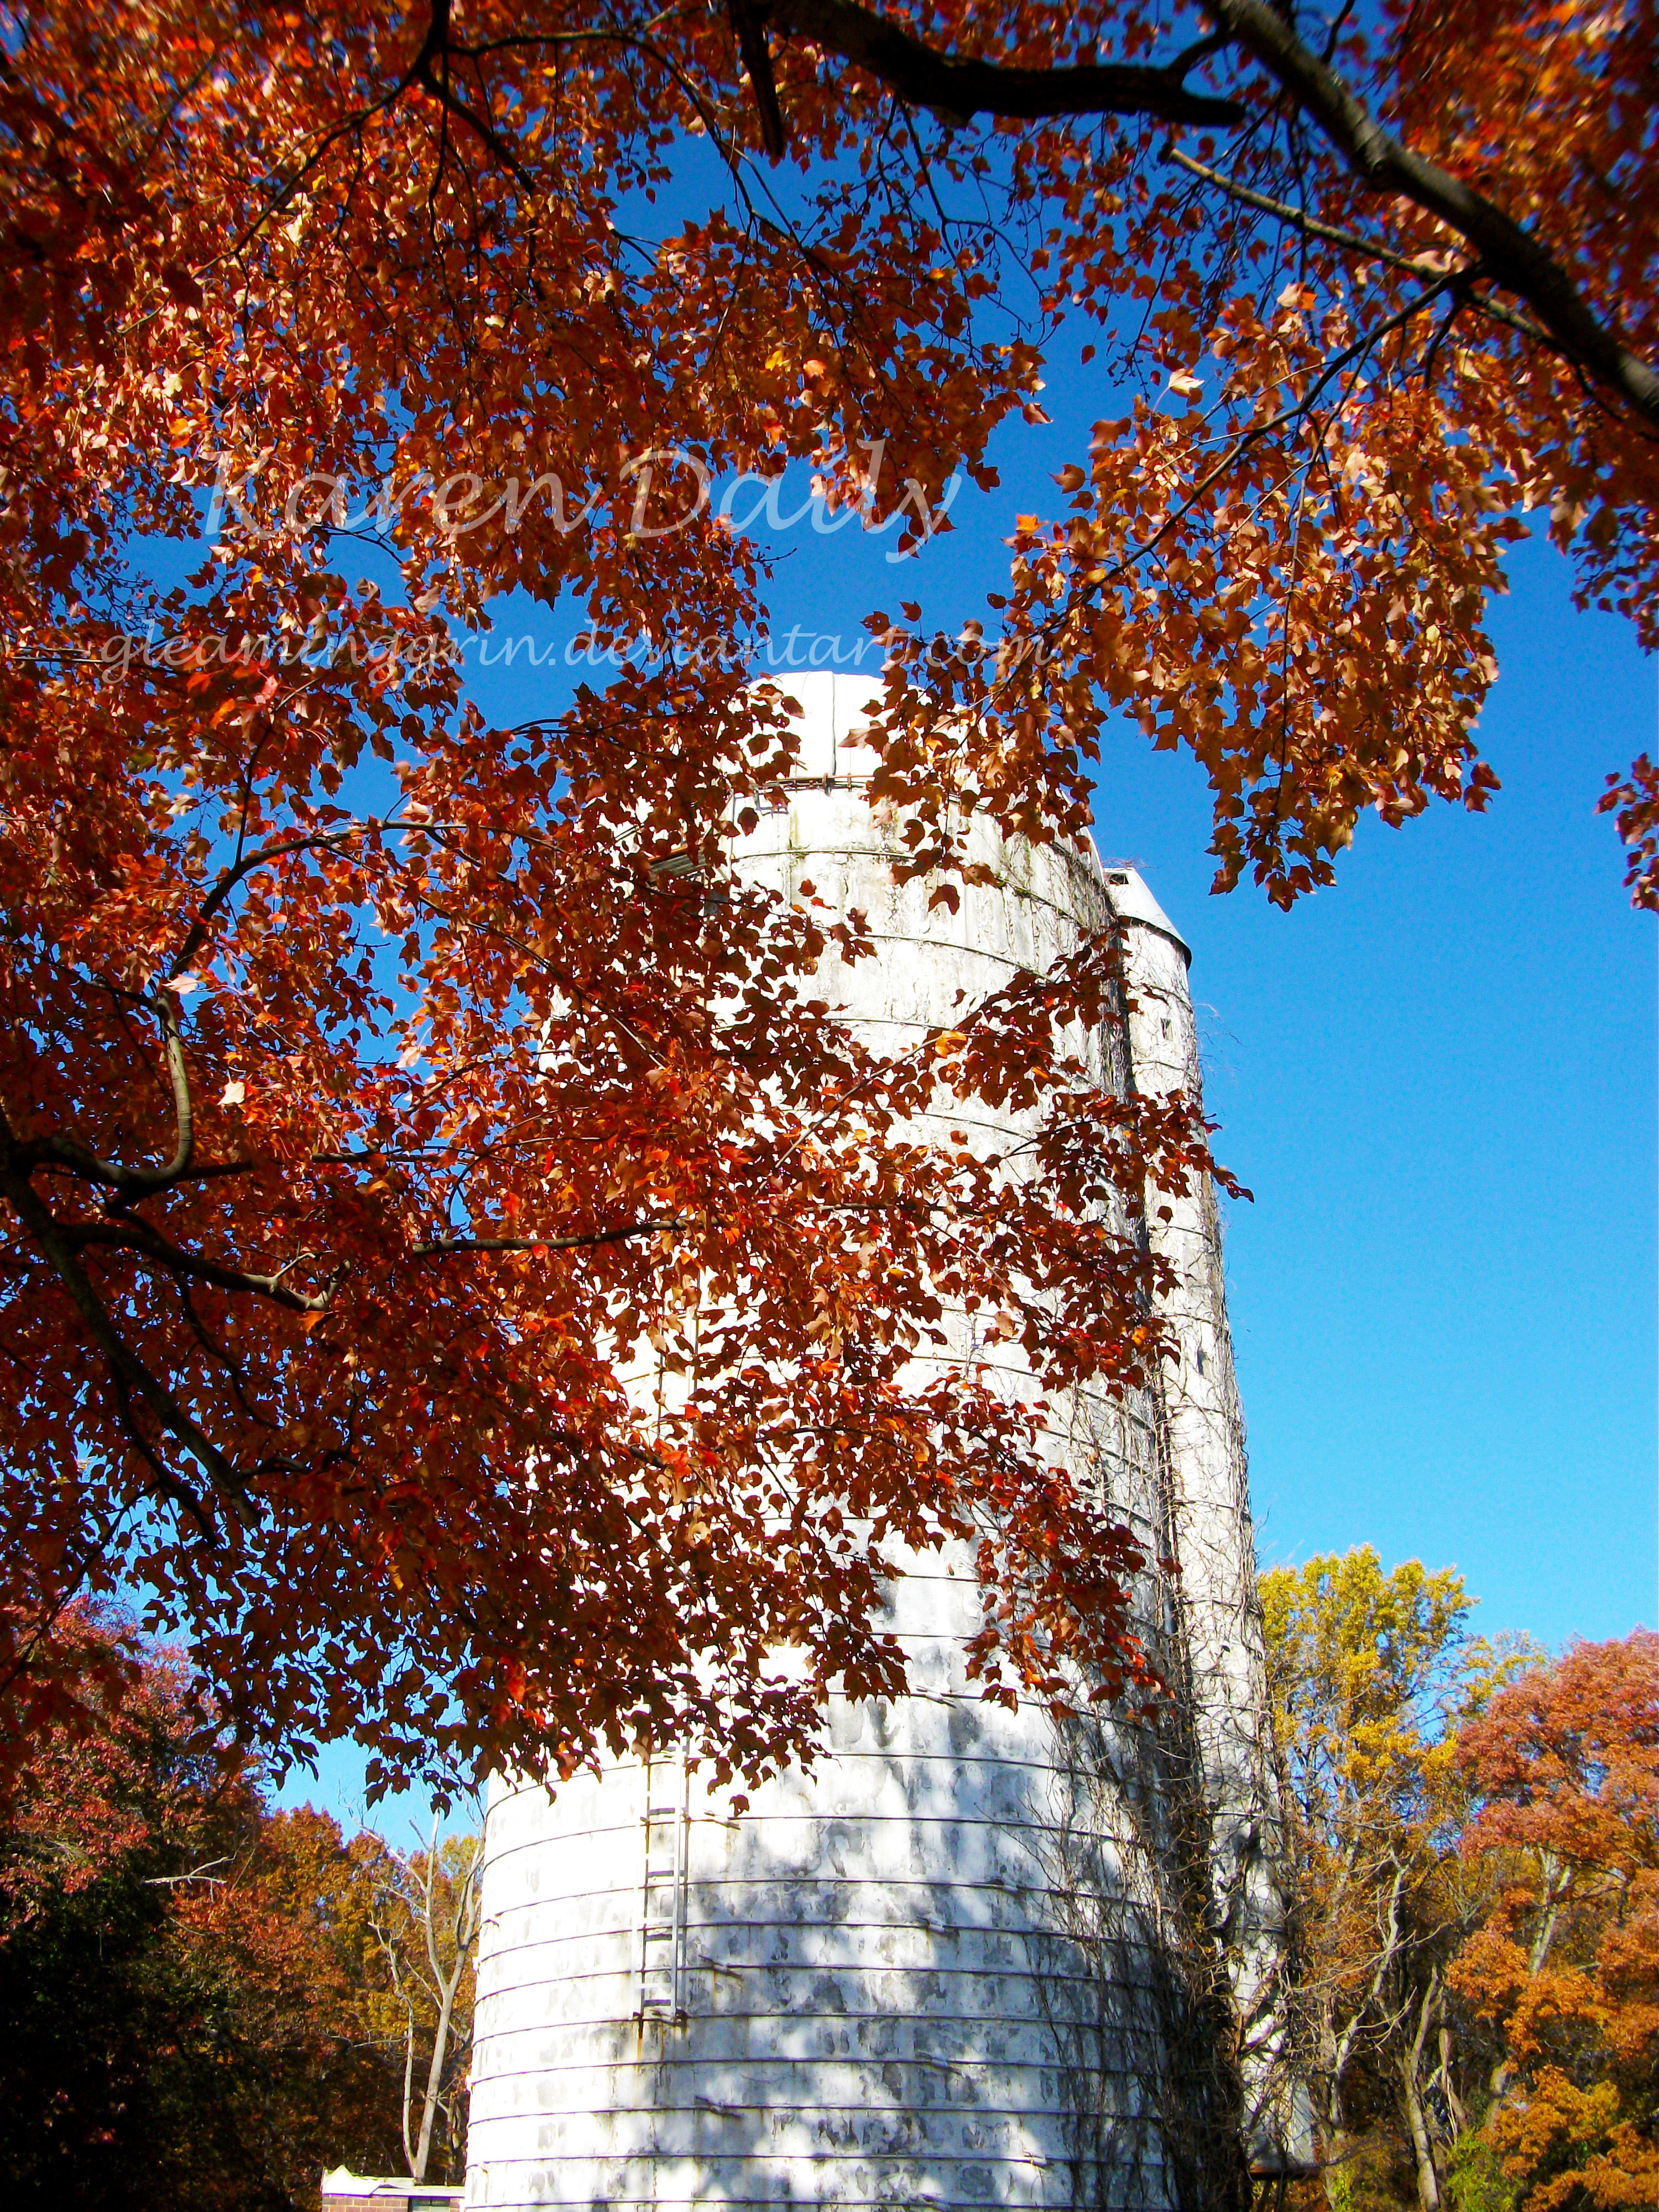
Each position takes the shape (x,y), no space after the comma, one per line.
(1324,2098)
(1410,2064)
(1428,2181)
(463,1932)
(434,2076)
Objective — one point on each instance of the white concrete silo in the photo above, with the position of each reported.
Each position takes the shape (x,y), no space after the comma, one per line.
(964,1963)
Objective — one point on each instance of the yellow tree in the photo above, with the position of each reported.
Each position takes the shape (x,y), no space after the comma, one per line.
(1370,1675)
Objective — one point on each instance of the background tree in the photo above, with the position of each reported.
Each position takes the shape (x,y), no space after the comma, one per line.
(1371,1676)
(375,1083)
(192,1995)
(1565,1970)
(426,1920)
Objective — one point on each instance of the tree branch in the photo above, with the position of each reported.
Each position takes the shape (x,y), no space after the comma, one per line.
(440,1245)
(133,1182)
(1508,254)
(228,878)
(1369,248)
(129,1372)
(1511,256)
(928,79)
(750,31)
(135,1236)
(430,70)
(184,1111)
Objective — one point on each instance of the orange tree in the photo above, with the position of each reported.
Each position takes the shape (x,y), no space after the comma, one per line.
(1565,1970)
(374,1083)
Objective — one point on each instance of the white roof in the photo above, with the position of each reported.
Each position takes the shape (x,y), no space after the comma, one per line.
(1133,902)
(342,2182)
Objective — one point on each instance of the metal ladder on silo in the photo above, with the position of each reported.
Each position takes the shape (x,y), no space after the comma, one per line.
(662,1898)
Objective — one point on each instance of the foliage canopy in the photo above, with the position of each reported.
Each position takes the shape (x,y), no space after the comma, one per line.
(374,1081)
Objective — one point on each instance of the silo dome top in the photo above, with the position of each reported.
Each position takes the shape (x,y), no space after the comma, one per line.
(834,710)
(1133,902)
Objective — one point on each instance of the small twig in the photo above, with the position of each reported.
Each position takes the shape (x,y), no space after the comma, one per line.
(204,1872)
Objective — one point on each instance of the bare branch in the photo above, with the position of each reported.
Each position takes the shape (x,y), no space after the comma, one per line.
(405,1919)
(441,1245)
(203,1873)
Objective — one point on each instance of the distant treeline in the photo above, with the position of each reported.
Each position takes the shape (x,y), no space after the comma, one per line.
(204,2002)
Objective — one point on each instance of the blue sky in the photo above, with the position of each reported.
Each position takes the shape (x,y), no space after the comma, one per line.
(1437,1077)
